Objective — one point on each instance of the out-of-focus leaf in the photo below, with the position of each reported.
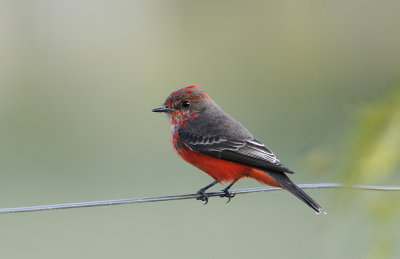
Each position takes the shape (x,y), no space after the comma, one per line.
(375,152)
(373,158)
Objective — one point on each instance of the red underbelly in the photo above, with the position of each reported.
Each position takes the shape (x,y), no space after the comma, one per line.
(223,170)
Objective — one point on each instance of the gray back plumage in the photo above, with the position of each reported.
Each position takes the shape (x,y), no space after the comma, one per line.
(215,133)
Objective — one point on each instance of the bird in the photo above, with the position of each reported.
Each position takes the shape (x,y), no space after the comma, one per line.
(205,136)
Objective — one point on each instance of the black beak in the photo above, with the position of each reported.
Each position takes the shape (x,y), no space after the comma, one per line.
(162,108)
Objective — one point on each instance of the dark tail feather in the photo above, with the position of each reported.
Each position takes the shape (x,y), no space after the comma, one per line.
(287,184)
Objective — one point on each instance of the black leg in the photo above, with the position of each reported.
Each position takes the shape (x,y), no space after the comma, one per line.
(227,193)
(202,192)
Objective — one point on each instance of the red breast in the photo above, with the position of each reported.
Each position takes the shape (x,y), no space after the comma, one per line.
(219,169)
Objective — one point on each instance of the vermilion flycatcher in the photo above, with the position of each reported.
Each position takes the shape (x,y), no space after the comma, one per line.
(208,138)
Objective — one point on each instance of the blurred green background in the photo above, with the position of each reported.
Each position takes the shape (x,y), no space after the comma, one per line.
(314,80)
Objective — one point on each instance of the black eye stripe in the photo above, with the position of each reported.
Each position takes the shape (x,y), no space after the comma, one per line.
(186,104)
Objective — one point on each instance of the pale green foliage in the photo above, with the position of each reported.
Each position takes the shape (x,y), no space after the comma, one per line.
(374,158)
(375,154)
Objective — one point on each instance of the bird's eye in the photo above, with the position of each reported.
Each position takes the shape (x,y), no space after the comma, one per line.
(186,104)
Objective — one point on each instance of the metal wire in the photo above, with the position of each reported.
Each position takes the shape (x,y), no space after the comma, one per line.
(189,196)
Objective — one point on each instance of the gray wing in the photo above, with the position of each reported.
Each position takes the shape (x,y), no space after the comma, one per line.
(250,152)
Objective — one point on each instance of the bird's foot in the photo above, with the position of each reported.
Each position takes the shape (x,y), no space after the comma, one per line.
(202,192)
(227,194)
(203,196)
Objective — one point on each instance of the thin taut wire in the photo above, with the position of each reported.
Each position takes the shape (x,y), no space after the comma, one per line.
(190,196)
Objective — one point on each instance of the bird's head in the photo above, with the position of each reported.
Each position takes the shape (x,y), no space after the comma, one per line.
(184,104)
